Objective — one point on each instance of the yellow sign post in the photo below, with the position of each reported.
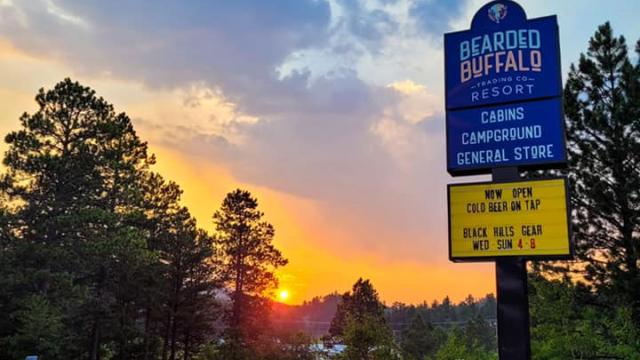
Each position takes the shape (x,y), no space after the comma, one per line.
(524,218)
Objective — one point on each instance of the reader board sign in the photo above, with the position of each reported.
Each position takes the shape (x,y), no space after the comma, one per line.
(506,135)
(503,58)
(528,219)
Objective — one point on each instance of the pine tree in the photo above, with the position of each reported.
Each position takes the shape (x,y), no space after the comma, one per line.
(191,285)
(359,322)
(457,347)
(479,332)
(40,330)
(179,290)
(362,301)
(420,339)
(249,259)
(602,107)
(368,337)
(57,171)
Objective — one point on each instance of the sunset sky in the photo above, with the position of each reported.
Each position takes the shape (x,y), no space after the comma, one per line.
(330,112)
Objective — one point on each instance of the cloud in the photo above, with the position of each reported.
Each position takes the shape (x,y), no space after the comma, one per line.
(227,89)
(366,24)
(407,87)
(415,105)
(435,16)
(232,44)
(65,16)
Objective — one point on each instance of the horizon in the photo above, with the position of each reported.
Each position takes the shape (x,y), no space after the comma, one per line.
(425,302)
(335,122)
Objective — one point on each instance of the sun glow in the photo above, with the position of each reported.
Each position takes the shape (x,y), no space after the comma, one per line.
(283,295)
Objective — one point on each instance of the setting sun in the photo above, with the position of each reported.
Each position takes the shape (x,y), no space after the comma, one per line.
(283,295)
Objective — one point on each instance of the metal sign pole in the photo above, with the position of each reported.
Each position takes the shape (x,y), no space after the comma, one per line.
(512,295)
(513,310)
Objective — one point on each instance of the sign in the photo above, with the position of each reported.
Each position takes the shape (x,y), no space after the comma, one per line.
(504,63)
(503,57)
(529,133)
(524,218)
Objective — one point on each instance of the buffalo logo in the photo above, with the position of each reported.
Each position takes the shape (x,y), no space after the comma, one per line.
(497,13)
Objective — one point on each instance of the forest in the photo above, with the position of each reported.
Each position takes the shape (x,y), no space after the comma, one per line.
(99,259)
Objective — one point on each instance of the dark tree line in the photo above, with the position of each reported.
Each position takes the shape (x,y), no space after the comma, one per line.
(98,258)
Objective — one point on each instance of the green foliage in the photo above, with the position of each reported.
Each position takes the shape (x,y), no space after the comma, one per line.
(208,352)
(362,301)
(602,107)
(39,330)
(568,323)
(297,346)
(625,336)
(360,324)
(480,332)
(287,346)
(73,205)
(368,337)
(420,339)
(599,316)
(475,341)
(458,347)
(95,244)
(234,346)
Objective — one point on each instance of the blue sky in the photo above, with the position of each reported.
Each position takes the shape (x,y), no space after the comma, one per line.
(330,111)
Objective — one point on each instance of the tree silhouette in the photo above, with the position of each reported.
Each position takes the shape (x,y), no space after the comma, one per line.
(72,167)
(602,106)
(248,260)
(360,323)
(420,339)
(368,337)
(362,300)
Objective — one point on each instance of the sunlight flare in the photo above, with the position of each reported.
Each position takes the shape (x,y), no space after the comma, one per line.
(283,295)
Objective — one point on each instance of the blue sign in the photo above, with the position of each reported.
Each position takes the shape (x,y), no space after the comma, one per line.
(504,57)
(517,134)
(504,63)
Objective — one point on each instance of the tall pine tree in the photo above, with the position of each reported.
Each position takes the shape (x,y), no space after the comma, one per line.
(362,301)
(249,259)
(57,174)
(359,322)
(602,107)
